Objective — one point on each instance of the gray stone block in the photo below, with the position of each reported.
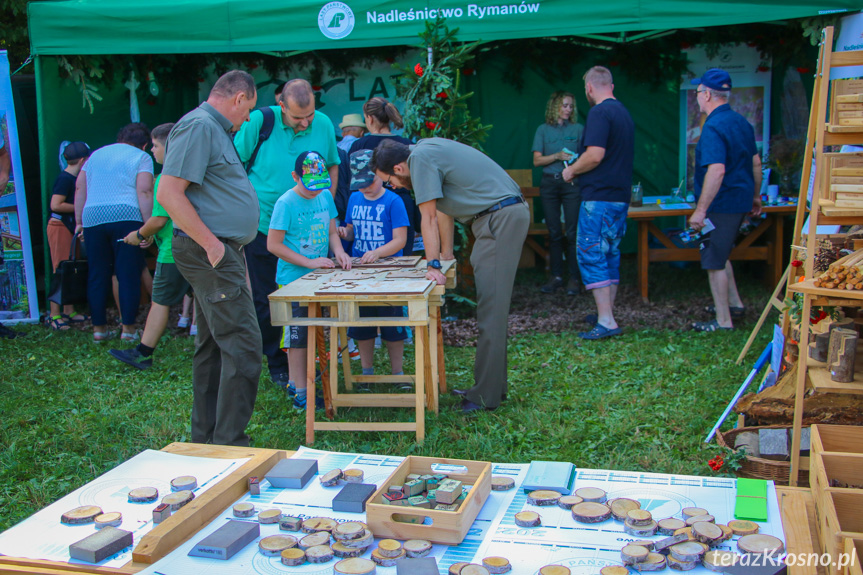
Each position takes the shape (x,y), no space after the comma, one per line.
(773,444)
(420,566)
(292,473)
(101,544)
(748,441)
(227,540)
(353,496)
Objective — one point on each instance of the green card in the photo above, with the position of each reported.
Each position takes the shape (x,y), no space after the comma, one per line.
(751,487)
(751,508)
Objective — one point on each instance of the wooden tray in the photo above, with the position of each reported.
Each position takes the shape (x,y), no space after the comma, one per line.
(447,527)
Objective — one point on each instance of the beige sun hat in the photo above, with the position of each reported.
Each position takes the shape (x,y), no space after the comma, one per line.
(352,120)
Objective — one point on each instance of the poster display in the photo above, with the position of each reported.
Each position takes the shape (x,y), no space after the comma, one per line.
(18,300)
(750,97)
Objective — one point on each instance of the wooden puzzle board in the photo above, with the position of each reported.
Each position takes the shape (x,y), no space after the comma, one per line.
(389,262)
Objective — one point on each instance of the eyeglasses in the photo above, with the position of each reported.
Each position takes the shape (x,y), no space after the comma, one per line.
(699,91)
(387,181)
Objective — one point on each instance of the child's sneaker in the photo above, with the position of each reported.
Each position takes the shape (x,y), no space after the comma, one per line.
(301,403)
(291,390)
(193,330)
(184,322)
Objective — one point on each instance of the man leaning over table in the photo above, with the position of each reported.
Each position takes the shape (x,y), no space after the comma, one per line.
(205,190)
(728,186)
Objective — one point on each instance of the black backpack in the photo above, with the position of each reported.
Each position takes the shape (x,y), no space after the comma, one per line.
(266,130)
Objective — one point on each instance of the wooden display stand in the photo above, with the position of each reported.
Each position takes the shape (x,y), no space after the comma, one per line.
(824,211)
(182,525)
(423,314)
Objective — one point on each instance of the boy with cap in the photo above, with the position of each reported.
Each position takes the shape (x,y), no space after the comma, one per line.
(169,285)
(302,230)
(728,186)
(377,222)
(61,225)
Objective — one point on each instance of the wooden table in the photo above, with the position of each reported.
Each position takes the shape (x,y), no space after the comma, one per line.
(423,314)
(774,223)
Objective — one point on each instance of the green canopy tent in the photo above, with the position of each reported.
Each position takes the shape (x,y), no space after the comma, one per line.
(118,27)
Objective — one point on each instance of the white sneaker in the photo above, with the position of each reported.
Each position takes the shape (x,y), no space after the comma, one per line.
(184,322)
(193,330)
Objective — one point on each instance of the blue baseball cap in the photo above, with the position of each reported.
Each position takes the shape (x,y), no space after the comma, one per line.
(361,173)
(312,169)
(715,79)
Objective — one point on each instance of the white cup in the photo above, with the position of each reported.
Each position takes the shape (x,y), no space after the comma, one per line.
(772,193)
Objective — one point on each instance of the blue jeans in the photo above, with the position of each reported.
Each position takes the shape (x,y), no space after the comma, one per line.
(108,257)
(557,196)
(601,227)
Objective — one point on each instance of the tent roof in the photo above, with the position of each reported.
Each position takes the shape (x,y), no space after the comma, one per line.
(195,26)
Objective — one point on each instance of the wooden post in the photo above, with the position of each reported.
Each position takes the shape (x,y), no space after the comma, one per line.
(842,367)
(818,350)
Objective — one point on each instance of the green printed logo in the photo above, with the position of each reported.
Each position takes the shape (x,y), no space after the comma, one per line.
(336,20)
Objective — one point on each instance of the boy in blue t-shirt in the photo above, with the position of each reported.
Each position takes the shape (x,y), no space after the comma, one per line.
(302,231)
(377,222)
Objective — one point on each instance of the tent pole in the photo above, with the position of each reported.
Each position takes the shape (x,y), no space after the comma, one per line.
(43,172)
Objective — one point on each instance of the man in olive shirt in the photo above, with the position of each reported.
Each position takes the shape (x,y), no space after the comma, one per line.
(452,180)
(215,212)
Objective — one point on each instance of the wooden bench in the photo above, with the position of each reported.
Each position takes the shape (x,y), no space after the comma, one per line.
(537,234)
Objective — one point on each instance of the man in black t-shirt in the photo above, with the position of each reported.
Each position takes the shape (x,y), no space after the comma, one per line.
(604,170)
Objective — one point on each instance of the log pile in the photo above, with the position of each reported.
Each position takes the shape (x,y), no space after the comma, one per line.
(845,273)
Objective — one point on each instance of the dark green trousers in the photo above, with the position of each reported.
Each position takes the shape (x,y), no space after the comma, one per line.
(227,361)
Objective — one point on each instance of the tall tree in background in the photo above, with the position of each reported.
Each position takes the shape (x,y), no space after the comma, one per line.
(13,32)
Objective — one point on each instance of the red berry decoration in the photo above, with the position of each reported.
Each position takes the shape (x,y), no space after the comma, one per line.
(418,70)
(796,263)
(442,96)
(317,88)
(431,125)
(803,70)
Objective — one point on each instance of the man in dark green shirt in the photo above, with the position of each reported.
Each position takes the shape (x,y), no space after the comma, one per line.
(205,190)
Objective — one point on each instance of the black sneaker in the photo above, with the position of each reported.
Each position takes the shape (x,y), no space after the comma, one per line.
(132,357)
(280,379)
(552,286)
(573,287)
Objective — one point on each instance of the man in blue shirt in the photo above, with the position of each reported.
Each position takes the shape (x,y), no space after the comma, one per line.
(728,186)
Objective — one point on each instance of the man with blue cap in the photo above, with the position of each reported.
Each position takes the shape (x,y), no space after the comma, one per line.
(728,186)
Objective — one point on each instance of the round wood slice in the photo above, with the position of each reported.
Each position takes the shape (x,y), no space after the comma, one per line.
(687,551)
(528,519)
(143,495)
(648,530)
(319,554)
(621,506)
(353,475)
(726,531)
(567,501)
(678,565)
(639,517)
(502,483)
(293,557)
(592,494)
(387,561)
(112,519)
(363,542)
(632,554)
(646,543)
(343,551)
(543,497)
(474,569)
(588,512)
(686,531)
(184,483)
(654,562)
(669,525)
(81,515)
(717,560)
(708,533)
(760,543)
(455,568)
(554,570)
(690,521)
(313,524)
(315,540)
(244,510)
(742,527)
(269,516)
(614,570)
(497,565)
(354,566)
(417,547)
(331,478)
(349,530)
(178,499)
(273,545)
(389,547)
(692,512)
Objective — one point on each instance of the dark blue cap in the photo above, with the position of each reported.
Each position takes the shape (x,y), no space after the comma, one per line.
(715,79)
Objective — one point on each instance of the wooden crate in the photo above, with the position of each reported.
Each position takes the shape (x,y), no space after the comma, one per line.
(836,438)
(843,181)
(854,550)
(447,527)
(841,516)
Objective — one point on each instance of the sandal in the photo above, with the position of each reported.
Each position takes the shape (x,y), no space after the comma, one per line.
(100,336)
(77,318)
(736,312)
(599,331)
(709,326)
(57,323)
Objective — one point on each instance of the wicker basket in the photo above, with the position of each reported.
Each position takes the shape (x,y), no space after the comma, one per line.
(758,468)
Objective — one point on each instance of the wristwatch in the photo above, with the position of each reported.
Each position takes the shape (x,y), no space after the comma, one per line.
(140,237)
(434,264)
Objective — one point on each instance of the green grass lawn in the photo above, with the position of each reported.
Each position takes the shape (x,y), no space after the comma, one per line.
(643,401)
